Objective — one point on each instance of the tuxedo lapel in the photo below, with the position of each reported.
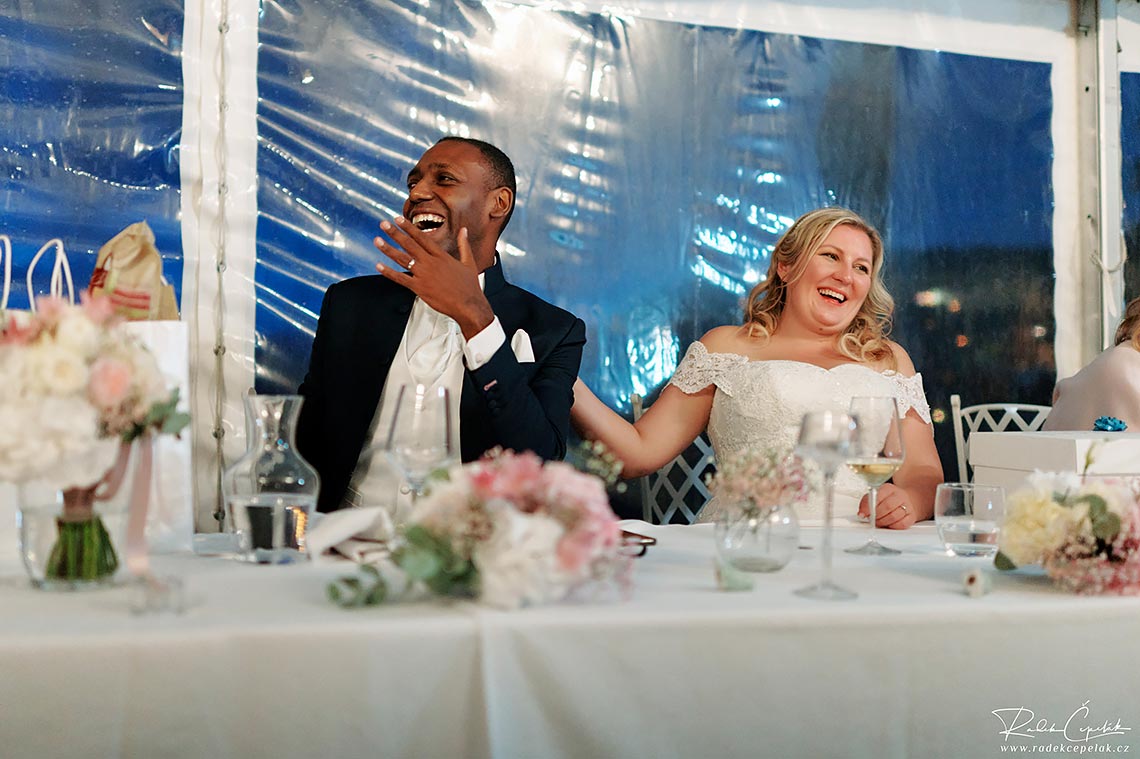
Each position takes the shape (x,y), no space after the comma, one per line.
(380,337)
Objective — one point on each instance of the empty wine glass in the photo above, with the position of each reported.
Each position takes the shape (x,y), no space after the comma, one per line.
(419,437)
(875,455)
(826,437)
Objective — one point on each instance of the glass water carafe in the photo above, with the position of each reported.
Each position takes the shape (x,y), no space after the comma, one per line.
(271,491)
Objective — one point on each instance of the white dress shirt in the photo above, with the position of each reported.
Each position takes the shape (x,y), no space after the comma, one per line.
(432,353)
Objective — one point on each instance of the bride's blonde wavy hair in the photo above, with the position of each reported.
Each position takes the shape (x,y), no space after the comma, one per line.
(865,339)
(1129,329)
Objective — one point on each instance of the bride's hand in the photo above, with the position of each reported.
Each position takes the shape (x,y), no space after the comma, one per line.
(893,509)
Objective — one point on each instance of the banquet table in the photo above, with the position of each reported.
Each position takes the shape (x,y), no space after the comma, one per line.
(261,664)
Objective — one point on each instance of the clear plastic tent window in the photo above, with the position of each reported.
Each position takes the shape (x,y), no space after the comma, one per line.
(90,124)
(658,163)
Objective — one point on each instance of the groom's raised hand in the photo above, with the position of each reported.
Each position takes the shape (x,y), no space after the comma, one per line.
(448,285)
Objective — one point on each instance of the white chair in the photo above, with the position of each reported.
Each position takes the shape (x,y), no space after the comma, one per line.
(990,417)
(678,488)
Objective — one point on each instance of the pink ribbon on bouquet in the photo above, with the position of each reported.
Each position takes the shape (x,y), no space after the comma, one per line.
(138,558)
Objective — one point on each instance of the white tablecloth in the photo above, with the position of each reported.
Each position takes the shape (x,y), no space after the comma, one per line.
(262,665)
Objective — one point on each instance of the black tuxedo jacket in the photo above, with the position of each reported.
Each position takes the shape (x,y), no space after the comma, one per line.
(521,406)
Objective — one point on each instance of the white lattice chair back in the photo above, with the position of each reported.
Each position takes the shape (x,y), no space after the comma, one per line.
(678,488)
(991,417)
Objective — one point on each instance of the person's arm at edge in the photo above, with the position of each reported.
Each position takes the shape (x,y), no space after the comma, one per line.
(921,472)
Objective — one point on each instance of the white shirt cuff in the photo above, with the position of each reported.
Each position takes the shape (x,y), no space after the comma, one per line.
(479,349)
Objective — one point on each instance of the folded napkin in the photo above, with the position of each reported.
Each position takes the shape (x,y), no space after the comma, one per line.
(362,534)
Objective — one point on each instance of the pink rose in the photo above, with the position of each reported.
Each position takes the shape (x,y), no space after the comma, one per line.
(110,382)
(514,477)
(50,309)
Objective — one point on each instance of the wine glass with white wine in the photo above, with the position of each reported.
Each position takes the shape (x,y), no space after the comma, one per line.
(875,456)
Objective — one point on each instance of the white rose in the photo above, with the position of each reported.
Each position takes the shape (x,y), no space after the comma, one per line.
(59,371)
(78,334)
(1035,527)
(13,377)
(86,467)
(518,564)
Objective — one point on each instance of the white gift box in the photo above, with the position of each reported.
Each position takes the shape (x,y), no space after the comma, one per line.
(1007,458)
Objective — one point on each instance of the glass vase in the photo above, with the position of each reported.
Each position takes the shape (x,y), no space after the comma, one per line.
(271,491)
(757,537)
(68,540)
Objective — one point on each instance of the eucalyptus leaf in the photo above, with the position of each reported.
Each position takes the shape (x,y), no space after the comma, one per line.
(175,423)
(1098,507)
(1003,562)
(1107,527)
(420,564)
(378,594)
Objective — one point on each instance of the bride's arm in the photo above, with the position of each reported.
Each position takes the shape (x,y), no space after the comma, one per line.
(914,483)
(670,425)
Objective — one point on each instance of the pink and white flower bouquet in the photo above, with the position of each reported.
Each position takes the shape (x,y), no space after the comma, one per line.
(1084,531)
(508,530)
(74,387)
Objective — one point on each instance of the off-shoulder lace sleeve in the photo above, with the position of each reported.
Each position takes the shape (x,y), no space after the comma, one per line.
(699,368)
(912,396)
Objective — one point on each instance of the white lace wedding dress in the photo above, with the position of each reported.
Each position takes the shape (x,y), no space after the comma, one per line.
(759,404)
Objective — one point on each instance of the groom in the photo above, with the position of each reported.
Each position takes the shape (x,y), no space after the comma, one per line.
(448,319)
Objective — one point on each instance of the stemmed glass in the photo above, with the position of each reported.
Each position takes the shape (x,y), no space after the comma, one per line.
(826,437)
(419,437)
(876,454)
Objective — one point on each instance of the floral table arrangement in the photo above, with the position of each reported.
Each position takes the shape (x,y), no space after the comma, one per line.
(1085,532)
(77,392)
(508,530)
(757,529)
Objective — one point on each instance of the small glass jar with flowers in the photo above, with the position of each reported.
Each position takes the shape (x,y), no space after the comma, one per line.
(756,491)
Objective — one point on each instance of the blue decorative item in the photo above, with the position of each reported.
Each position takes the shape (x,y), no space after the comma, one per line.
(1109,424)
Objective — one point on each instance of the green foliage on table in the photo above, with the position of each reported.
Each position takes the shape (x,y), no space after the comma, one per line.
(163,416)
(1003,562)
(83,551)
(424,557)
(432,561)
(1105,524)
(350,592)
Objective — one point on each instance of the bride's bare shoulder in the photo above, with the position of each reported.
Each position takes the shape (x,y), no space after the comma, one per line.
(730,338)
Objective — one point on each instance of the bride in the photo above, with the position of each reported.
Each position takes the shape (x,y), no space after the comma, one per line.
(814,336)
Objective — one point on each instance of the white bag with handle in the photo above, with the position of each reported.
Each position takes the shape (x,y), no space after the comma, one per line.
(6,262)
(60,280)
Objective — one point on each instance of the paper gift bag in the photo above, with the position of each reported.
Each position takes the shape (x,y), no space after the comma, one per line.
(129,269)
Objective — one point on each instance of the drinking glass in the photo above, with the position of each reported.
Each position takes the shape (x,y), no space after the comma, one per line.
(826,437)
(875,455)
(969,517)
(419,437)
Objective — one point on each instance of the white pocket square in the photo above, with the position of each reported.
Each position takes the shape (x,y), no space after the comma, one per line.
(520,344)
